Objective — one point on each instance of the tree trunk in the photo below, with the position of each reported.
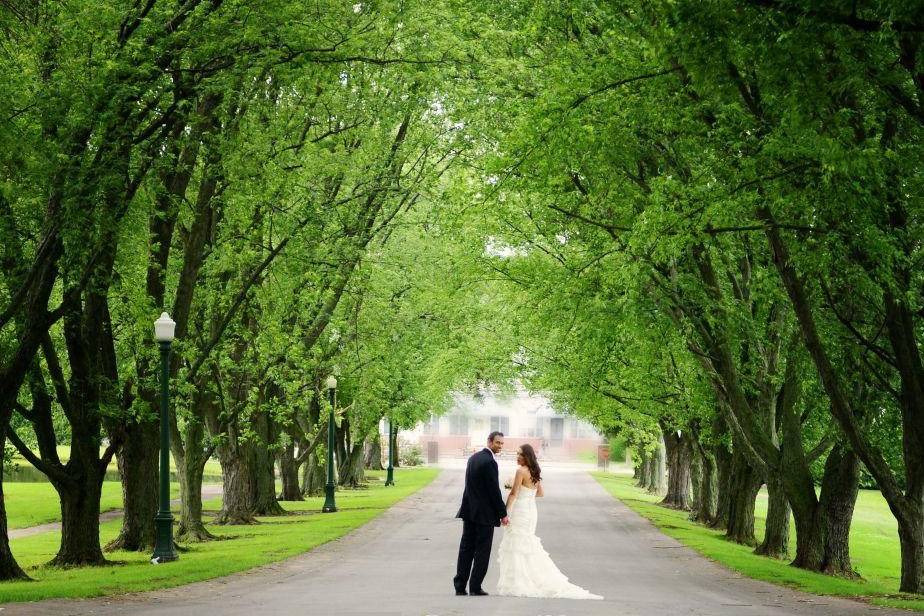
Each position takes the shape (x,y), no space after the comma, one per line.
(9,568)
(908,509)
(79,482)
(238,483)
(18,358)
(349,456)
(797,479)
(839,488)
(288,472)
(809,519)
(265,502)
(248,471)
(911,539)
(656,480)
(394,450)
(706,487)
(723,463)
(191,528)
(374,453)
(313,476)
(823,526)
(776,530)
(696,480)
(341,444)
(743,485)
(138,461)
(190,467)
(643,470)
(34,295)
(80,523)
(816,521)
(679,459)
(351,471)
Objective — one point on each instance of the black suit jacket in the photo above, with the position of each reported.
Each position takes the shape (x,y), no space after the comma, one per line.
(482,502)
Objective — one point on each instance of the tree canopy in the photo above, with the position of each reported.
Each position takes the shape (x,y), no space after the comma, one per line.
(695,224)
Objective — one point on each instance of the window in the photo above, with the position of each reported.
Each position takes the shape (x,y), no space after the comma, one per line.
(586,430)
(500,424)
(432,426)
(557,429)
(458,425)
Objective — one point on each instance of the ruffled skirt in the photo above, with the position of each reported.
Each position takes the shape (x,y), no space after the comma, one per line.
(526,569)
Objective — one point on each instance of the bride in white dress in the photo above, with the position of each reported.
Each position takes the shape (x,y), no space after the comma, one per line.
(526,570)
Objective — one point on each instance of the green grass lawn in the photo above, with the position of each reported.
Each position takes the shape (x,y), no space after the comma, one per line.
(874,546)
(31,504)
(589,457)
(212,467)
(274,539)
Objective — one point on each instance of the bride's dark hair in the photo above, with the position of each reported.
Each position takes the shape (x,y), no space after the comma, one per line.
(529,455)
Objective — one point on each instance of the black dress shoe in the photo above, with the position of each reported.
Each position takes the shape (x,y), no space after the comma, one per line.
(461,593)
(478,593)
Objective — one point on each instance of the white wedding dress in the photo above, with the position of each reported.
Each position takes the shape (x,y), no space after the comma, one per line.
(526,569)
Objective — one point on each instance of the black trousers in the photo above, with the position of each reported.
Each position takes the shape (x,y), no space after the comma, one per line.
(474,555)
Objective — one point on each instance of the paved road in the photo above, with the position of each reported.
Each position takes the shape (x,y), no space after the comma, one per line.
(402,564)
(208,491)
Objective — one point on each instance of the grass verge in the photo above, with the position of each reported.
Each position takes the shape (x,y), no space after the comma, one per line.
(873,545)
(274,539)
(31,504)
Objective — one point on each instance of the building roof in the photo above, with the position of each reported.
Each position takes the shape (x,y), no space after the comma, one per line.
(490,404)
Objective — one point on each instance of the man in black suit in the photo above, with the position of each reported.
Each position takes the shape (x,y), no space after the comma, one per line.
(482,510)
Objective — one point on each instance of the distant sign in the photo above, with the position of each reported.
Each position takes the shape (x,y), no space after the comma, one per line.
(603,456)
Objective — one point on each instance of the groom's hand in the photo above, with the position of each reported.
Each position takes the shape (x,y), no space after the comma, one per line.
(505,521)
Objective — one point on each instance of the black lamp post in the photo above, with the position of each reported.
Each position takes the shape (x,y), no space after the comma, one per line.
(164,549)
(330,504)
(390,477)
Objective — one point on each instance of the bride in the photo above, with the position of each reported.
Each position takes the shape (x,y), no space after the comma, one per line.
(526,570)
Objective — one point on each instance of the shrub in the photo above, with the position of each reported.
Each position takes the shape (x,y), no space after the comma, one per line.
(411,455)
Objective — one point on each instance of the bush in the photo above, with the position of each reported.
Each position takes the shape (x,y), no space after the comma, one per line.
(8,465)
(411,455)
(617,449)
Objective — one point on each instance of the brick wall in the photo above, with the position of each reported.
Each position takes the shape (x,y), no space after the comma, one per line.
(448,445)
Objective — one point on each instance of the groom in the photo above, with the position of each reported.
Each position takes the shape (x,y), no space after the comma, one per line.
(481,511)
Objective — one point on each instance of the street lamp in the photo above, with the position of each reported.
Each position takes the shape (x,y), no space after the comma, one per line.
(164,550)
(330,505)
(390,477)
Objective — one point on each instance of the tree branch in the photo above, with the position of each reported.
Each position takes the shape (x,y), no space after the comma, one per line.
(130,25)
(47,469)
(611,229)
(830,17)
(580,100)
(251,281)
(826,442)
(880,352)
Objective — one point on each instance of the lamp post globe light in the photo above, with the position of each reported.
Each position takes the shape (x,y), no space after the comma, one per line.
(164,549)
(390,477)
(330,505)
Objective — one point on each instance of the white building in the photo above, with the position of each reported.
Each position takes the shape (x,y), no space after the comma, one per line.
(523,418)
